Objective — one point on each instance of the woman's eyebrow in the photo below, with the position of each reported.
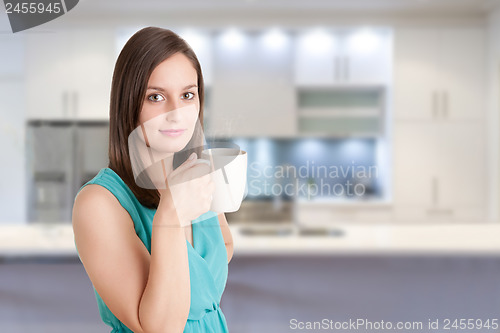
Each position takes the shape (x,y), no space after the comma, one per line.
(161,89)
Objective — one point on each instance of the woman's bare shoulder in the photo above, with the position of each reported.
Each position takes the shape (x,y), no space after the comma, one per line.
(96,199)
(91,191)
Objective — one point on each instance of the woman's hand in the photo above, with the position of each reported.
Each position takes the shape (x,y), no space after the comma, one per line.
(190,188)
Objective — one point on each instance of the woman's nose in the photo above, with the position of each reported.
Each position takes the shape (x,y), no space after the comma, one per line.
(173,113)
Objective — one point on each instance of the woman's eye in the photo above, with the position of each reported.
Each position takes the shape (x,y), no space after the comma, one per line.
(192,95)
(156,98)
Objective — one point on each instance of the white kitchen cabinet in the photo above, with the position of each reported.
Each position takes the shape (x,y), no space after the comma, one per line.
(12,57)
(462,71)
(439,130)
(416,156)
(415,74)
(317,59)
(439,171)
(94,65)
(252,94)
(69,74)
(462,172)
(49,75)
(13,146)
(439,73)
(368,54)
(357,57)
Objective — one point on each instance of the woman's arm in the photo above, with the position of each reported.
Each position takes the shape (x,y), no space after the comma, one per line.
(228,238)
(166,299)
(148,293)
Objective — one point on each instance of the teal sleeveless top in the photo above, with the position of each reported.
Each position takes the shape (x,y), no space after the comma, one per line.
(208,267)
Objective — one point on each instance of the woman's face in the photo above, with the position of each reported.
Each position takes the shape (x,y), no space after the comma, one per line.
(171,104)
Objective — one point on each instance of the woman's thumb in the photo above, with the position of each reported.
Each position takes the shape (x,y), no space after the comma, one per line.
(191,158)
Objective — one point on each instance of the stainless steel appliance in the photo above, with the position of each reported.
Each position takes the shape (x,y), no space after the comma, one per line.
(62,156)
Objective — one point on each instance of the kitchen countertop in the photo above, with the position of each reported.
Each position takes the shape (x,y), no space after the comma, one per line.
(447,239)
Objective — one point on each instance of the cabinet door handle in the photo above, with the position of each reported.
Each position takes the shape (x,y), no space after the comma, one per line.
(336,69)
(75,104)
(434,104)
(434,192)
(346,68)
(445,104)
(65,103)
(437,191)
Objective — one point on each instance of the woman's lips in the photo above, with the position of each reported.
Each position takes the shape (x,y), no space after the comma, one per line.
(175,132)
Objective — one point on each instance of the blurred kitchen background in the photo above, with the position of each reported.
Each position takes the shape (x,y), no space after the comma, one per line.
(371,128)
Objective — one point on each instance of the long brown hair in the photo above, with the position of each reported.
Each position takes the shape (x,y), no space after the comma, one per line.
(145,50)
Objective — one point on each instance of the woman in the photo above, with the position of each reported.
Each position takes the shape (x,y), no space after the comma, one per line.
(154,266)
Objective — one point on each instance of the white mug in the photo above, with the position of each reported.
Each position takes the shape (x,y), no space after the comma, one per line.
(230,177)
